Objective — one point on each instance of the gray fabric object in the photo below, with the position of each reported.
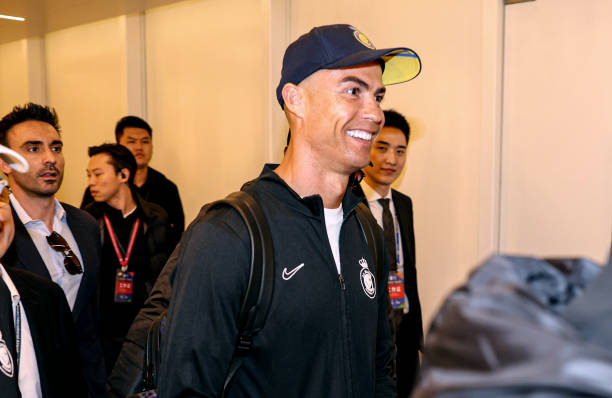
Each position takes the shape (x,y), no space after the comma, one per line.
(504,334)
(592,312)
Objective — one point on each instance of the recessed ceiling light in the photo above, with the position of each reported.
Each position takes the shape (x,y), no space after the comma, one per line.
(12,18)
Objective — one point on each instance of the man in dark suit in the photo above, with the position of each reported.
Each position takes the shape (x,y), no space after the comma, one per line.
(54,240)
(34,310)
(393,211)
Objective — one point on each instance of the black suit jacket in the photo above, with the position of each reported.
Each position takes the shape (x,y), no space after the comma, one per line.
(53,335)
(22,254)
(409,338)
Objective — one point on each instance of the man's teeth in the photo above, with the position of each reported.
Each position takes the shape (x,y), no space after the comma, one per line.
(364,135)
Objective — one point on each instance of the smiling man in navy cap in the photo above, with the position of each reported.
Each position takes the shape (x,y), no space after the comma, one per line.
(327,333)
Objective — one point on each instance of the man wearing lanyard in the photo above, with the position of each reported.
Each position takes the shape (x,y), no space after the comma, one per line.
(136,135)
(53,240)
(393,211)
(38,349)
(135,242)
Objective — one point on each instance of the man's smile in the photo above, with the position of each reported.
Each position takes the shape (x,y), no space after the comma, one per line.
(361,134)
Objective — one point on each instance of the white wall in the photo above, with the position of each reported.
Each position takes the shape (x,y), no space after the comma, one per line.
(557,168)
(86,85)
(13,75)
(208,101)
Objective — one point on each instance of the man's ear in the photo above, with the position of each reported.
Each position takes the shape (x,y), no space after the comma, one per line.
(125,174)
(293,96)
(4,167)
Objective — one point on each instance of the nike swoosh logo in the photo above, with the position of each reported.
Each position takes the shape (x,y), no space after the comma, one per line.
(289,274)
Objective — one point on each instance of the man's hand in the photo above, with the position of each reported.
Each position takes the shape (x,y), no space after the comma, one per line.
(7,227)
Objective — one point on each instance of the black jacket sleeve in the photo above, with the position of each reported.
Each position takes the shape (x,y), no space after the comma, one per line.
(210,280)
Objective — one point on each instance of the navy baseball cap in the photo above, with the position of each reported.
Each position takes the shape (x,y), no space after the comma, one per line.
(341,46)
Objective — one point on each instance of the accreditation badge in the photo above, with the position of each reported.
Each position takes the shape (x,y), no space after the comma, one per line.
(124,286)
(396,289)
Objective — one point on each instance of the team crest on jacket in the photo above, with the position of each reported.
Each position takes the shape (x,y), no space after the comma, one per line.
(368,283)
(6,361)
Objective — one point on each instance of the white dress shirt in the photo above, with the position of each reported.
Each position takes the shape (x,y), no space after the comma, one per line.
(54,261)
(29,379)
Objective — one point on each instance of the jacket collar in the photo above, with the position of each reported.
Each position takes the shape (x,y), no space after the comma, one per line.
(311,206)
(97,209)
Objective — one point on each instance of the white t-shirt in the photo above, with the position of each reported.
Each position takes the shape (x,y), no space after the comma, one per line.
(333,223)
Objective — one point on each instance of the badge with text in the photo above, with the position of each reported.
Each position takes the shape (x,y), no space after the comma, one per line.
(124,286)
(396,289)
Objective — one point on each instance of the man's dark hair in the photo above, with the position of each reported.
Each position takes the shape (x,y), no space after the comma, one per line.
(131,121)
(397,120)
(29,111)
(120,157)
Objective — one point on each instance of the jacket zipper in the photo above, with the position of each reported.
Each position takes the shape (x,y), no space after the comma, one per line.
(345,328)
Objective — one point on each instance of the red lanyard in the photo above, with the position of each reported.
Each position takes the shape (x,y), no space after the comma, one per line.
(122,260)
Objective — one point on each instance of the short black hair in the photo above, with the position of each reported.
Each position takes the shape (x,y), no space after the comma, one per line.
(131,121)
(120,157)
(397,120)
(29,111)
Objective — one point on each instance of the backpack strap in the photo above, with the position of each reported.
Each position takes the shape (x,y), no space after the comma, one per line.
(374,239)
(152,358)
(256,302)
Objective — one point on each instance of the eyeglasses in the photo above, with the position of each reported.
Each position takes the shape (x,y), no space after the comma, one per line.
(71,261)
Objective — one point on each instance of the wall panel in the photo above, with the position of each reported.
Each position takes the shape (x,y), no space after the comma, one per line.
(207,87)
(557,160)
(13,75)
(86,85)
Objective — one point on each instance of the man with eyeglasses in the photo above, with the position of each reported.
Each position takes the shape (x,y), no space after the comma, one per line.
(52,239)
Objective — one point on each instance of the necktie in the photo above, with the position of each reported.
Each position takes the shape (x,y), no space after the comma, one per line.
(389,230)
(8,364)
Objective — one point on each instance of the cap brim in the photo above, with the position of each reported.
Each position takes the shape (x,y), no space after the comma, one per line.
(401,64)
(14,160)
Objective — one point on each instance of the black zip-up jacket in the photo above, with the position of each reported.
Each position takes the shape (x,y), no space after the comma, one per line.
(326,335)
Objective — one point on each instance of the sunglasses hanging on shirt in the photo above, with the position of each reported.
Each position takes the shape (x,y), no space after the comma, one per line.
(71,261)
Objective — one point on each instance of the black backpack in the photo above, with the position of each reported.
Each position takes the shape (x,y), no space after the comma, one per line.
(256,302)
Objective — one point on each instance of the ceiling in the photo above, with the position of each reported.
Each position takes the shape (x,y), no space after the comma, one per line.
(43,16)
